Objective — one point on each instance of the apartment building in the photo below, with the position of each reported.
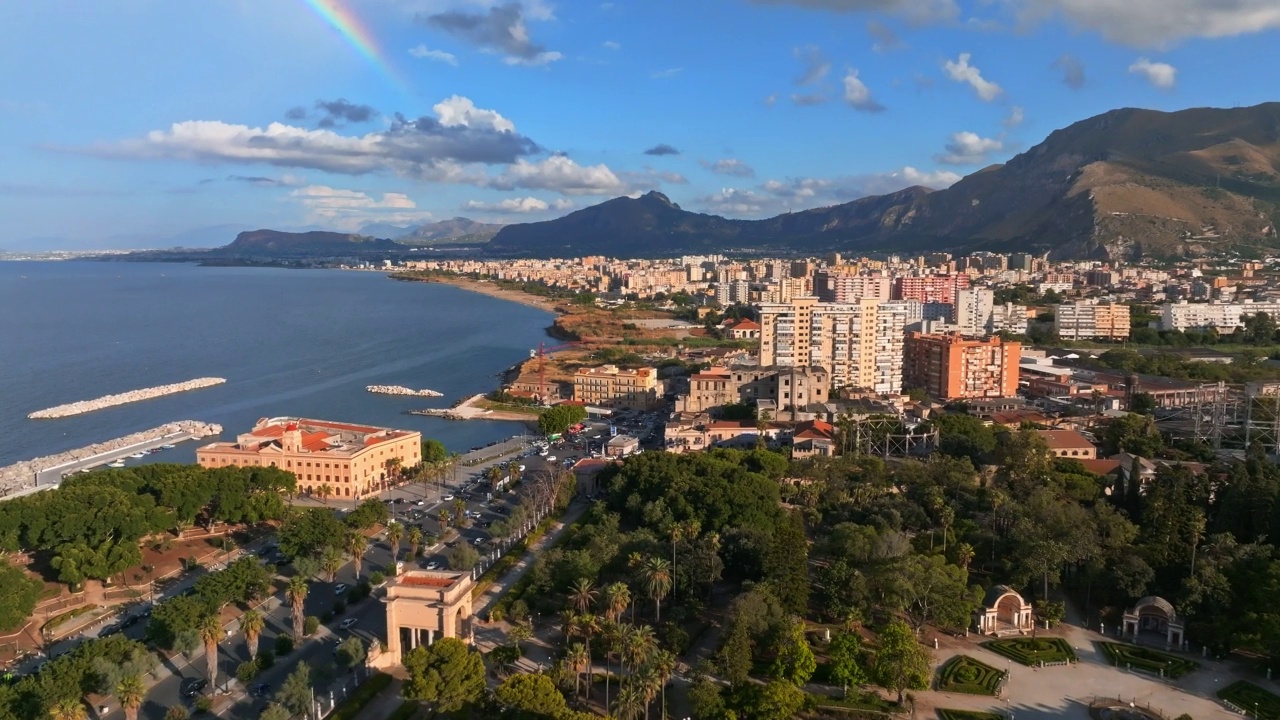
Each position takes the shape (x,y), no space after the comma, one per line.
(791,388)
(972,311)
(1091,319)
(1224,316)
(858,343)
(835,286)
(930,288)
(611,386)
(951,367)
(1009,318)
(351,461)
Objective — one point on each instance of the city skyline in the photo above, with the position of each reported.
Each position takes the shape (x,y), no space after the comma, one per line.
(142,121)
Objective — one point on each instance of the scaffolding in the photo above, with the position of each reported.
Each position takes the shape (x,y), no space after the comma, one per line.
(1228,417)
(885,436)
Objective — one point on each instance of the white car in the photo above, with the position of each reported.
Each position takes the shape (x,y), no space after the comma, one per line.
(447,498)
(479,541)
(433,565)
(551,458)
(341,588)
(421,502)
(348,624)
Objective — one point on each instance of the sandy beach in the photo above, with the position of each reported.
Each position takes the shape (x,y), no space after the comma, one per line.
(492,290)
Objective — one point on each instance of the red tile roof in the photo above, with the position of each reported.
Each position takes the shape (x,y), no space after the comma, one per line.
(745,324)
(1064,439)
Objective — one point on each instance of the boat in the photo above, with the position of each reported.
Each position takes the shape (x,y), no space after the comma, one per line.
(153,451)
(116,464)
(138,455)
(168,446)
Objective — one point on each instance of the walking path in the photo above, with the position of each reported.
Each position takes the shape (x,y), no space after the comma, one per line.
(482,604)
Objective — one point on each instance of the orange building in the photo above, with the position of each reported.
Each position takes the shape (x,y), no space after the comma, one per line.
(352,460)
(952,367)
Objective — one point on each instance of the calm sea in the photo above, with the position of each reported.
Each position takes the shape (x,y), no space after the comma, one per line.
(289,342)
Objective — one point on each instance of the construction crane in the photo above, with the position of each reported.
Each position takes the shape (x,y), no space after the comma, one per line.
(541,354)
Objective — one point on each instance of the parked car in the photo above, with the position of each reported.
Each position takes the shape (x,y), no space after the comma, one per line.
(447,498)
(348,624)
(433,565)
(260,690)
(191,687)
(341,588)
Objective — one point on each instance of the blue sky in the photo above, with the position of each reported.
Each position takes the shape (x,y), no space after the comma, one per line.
(137,121)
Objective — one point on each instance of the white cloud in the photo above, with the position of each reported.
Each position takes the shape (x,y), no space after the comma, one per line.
(771,100)
(967,148)
(509,205)
(816,65)
(562,175)
(422,52)
(917,11)
(1157,23)
(349,209)
(961,71)
(611,45)
(542,58)
(668,73)
(1015,118)
(778,196)
(1161,75)
(457,111)
(729,166)
(857,95)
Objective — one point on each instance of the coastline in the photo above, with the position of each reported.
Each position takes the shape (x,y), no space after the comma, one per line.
(493,291)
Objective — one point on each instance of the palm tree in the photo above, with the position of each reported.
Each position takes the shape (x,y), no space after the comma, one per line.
(415,540)
(331,562)
(252,623)
(445,516)
(297,592)
(211,633)
(642,644)
(616,598)
(630,704)
(589,625)
(687,530)
(324,491)
(610,634)
(395,531)
(582,594)
(576,657)
(657,578)
(130,691)
(357,545)
(664,665)
(964,555)
(647,682)
(392,465)
(459,509)
(68,709)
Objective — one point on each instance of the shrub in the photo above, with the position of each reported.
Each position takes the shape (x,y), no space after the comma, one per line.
(967,675)
(1033,652)
(266,658)
(1147,659)
(284,645)
(204,704)
(351,707)
(1249,697)
(378,578)
(176,712)
(247,670)
(310,625)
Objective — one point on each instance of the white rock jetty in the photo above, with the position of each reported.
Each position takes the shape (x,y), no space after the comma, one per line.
(23,475)
(84,406)
(400,390)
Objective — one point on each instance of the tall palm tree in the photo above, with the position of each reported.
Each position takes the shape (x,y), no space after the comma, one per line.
(297,592)
(130,691)
(647,682)
(415,541)
(589,625)
(576,657)
(444,516)
(582,594)
(211,633)
(331,562)
(616,598)
(252,623)
(642,644)
(687,530)
(657,578)
(393,468)
(68,709)
(610,634)
(630,704)
(664,666)
(357,544)
(459,509)
(395,532)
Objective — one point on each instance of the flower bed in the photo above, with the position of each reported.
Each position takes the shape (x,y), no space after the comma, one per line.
(1033,652)
(967,675)
(1251,699)
(1147,659)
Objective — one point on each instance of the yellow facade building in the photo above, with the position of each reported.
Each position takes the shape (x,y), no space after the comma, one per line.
(351,460)
(611,386)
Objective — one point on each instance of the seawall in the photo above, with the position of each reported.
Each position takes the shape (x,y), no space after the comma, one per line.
(106,401)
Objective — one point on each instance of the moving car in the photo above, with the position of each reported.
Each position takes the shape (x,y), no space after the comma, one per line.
(341,588)
(191,687)
(348,624)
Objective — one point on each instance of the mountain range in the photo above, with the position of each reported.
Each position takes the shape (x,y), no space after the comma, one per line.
(458,230)
(1123,184)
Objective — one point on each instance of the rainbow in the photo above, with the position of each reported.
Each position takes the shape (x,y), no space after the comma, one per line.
(357,35)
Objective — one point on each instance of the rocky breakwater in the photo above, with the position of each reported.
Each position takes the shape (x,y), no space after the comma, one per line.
(400,390)
(84,406)
(23,475)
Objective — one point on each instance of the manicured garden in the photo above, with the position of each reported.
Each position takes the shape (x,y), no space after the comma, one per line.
(1153,661)
(1033,651)
(966,675)
(949,714)
(1251,699)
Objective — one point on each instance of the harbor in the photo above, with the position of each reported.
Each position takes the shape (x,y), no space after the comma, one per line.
(45,472)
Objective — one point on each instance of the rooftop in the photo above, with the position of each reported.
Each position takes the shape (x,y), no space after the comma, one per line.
(1060,439)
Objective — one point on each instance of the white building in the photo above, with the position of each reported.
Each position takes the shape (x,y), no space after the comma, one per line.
(1008,318)
(973,308)
(1226,317)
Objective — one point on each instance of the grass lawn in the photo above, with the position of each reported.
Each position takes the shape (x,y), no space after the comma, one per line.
(949,714)
(1142,658)
(1250,698)
(967,675)
(1033,652)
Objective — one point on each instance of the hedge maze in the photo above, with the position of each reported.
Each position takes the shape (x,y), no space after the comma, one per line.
(967,675)
(1147,659)
(1032,652)
(1251,699)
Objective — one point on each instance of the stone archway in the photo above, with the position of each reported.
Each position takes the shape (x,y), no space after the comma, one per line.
(1156,617)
